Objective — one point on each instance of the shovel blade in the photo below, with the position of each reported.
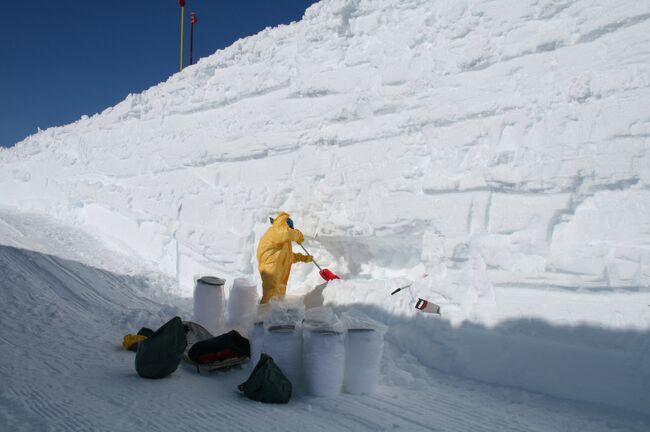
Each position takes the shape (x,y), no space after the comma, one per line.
(328,275)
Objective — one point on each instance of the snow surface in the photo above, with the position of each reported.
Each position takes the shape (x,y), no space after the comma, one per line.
(62,367)
(499,147)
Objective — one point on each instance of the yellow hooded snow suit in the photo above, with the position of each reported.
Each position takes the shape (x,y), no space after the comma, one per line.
(275,257)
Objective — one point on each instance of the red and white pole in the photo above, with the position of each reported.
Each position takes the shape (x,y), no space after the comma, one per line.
(193,21)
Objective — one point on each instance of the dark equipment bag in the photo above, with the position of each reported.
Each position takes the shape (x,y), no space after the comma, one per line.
(267,383)
(226,346)
(160,354)
(144,331)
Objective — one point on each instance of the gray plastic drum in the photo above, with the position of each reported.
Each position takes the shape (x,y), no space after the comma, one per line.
(284,344)
(364,349)
(209,303)
(324,362)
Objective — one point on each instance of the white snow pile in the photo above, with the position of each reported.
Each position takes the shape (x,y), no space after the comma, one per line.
(496,154)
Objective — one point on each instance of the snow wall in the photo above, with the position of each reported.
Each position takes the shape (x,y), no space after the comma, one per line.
(498,146)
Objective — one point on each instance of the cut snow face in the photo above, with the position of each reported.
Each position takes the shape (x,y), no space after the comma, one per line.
(62,366)
(500,147)
(504,139)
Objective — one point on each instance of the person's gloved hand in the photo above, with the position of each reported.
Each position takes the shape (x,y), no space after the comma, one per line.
(300,237)
(309,259)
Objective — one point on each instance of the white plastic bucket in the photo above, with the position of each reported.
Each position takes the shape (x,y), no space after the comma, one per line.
(324,362)
(242,302)
(363,352)
(284,344)
(209,304)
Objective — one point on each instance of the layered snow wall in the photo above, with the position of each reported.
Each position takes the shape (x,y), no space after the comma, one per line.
(496,146)
(514,133)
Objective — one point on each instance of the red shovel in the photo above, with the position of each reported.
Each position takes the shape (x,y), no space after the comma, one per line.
(326,274)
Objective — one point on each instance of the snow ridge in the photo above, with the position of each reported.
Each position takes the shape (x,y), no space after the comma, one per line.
(538,126)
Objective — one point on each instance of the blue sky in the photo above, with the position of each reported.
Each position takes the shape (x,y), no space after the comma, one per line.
(62,59)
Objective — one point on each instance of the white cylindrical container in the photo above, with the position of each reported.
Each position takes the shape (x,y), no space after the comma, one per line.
(324,362)
(362,360)
(257,343)
(209,304)
(284,344)
(242,302)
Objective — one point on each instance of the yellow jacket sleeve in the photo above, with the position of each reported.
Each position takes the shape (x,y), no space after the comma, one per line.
(298,257)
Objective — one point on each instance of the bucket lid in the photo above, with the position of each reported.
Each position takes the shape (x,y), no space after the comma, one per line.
(285,328)
(212,280)
(326,332)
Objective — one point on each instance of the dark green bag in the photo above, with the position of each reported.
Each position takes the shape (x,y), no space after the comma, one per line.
(160,354)
(267,383)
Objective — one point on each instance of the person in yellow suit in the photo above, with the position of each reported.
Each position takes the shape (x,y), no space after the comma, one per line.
(275,256)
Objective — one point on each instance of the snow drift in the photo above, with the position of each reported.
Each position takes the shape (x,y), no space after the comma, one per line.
(500,147)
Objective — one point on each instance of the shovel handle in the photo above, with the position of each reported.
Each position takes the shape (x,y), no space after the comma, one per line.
(313,260)
(400,289)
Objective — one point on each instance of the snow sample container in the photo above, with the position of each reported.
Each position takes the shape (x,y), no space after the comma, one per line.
(323,352)
(363,351)
(209,302)
(283,338)
(242,302)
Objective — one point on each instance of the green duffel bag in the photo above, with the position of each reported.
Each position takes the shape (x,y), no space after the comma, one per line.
(160,354)
(267,383)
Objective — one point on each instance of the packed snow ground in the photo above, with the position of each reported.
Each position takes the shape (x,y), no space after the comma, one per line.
(62,368)
(501,147)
